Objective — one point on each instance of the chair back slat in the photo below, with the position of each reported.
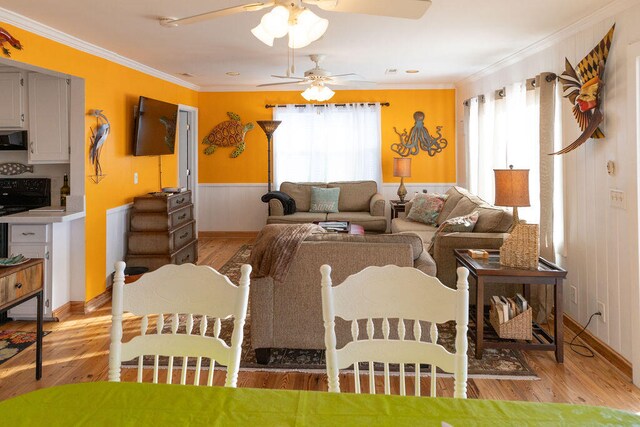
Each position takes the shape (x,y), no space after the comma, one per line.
(144,324)
(385,294)
(185,291)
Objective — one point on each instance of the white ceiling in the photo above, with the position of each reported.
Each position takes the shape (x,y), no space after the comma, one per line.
(454,39)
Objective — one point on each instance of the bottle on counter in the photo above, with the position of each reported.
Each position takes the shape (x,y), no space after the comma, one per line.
(65,190)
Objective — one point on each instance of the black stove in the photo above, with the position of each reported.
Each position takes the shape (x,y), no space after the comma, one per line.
(20,195)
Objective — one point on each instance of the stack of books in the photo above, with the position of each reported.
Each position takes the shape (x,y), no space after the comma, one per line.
(508,308)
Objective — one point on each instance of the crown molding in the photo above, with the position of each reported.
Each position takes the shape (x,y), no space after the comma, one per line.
(245,88)
(582,24)
(50,33)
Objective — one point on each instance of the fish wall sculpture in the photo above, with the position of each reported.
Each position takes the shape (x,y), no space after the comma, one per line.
(9,169)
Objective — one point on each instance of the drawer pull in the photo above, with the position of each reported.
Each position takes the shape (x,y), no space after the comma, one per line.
(29,233)
(183,235)
(18,285)
(185,258)
(183,216)
(180,201)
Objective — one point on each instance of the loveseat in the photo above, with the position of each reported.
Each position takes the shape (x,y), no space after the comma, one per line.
(489,232)
(359,202)
(288,314)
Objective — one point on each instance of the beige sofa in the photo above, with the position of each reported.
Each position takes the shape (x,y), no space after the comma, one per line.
(489,232)
(289,314)
(359,203)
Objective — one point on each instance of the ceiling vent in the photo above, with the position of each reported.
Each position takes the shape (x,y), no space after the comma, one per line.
(390,71)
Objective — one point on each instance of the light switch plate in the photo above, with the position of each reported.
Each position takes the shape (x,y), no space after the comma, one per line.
(617,199)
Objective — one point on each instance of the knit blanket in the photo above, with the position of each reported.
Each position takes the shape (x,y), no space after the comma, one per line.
(276,247)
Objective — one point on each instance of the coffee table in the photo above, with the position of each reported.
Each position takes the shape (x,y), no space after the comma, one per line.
(348,228)
(487,271)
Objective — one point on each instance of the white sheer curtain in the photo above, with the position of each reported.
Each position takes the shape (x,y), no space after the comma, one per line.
(332,143)
(504,131)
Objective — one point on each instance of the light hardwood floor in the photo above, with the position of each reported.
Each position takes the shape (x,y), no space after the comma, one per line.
(77,350)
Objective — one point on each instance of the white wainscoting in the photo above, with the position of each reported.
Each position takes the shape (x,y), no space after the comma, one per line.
(117,229)
(237,207)
(601,241)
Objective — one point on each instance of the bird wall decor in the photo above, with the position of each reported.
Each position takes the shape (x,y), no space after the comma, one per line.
(98,138)
(5,37)
(582,86)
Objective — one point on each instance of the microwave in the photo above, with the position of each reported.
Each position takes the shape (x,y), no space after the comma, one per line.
(13,140)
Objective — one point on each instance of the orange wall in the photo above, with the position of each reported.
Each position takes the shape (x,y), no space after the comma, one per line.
(251,166)
(114,89)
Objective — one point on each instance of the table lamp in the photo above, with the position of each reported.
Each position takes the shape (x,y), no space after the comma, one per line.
(512,189)
(269,127)
(402,168)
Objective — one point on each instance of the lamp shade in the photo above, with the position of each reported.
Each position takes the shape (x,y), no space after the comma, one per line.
(512,187)
(268,126)
(402,166)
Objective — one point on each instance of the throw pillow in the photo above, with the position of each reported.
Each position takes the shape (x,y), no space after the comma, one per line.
(324,199)
(458,224)
(426,207)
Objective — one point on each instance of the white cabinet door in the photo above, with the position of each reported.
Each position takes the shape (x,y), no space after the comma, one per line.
(12,104)
(28,310)
(48,119)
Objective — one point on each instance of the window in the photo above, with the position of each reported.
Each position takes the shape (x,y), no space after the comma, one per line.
(330,143)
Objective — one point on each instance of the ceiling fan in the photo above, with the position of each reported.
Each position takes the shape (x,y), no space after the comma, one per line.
(302,25)
(317,78)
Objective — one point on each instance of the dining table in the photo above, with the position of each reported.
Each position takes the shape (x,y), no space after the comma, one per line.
(146,404)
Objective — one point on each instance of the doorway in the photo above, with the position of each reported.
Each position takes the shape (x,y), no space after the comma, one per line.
(188,153)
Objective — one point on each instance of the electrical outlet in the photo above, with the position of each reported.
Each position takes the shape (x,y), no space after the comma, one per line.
(617,199)
(574,294)
(135,177)
(603,312)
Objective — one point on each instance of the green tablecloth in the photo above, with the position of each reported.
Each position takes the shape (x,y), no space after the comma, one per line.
(116,404)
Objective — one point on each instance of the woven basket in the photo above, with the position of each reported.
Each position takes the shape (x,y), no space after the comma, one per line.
(522,248)
(518,328)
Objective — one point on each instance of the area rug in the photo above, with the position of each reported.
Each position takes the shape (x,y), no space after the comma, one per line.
(495,363)
(13,342)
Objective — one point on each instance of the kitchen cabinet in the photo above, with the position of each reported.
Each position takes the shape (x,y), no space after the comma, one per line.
(48,119)
(52,243)
(12,107)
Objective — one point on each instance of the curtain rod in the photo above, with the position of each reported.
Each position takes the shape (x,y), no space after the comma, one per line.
(531,83)
(382,104)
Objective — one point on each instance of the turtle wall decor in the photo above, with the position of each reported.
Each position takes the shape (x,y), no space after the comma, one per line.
(419,138)
(229,133)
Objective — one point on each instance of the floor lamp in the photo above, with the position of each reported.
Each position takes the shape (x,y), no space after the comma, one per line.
(269,127)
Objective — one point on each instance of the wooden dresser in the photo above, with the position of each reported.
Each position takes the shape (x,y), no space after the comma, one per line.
(162,231)
(19,284)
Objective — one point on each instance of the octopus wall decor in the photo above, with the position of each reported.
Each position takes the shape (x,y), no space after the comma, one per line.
(419,138)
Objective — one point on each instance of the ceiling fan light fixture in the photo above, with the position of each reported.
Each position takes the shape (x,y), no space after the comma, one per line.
(318,92)
(276,22)
(262,35)
(313,25)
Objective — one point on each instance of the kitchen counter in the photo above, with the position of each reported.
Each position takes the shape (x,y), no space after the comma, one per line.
(41,216)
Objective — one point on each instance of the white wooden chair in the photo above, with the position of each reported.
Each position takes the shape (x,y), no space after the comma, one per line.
(401,294)
(179,290)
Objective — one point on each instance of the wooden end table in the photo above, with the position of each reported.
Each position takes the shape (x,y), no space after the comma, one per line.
(396,207)
(19,284)
(487,271)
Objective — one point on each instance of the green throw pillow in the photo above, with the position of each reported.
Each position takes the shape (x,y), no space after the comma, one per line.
(324,199)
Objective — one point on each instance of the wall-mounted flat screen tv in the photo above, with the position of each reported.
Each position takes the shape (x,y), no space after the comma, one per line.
(155,131)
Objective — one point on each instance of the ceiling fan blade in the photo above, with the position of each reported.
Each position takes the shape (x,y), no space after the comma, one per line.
(344,75)
(411,9)
(281,84)
(289,77)
(351,83)
(249,7)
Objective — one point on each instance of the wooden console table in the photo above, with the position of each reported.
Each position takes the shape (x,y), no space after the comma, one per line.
(486,271)
(19,284)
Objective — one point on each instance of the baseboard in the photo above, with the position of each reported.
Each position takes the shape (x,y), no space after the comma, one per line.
(228,234)
(62,312)
(612,356)
(97,302)
(77,307)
